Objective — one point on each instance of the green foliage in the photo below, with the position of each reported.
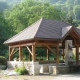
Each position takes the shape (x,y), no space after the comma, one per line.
(74,56)
(70,8)
(21,70)
(66,6)
(73,22)
(3,61)
(26,13)
(41,54)
(5,33)
(76,10)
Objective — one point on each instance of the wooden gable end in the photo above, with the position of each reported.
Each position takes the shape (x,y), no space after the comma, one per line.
(73,35)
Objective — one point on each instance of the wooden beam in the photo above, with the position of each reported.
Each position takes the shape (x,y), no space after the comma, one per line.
(50,49)
(9,53)
(44,44)
(26,44)
(33,52)
(76,34)
(29,50)
(77,54)
(14,52)
(57,54)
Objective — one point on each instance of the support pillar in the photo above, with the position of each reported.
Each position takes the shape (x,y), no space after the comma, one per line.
(68,52)
(20,53)
(57,54)
(77,54)
(33,52)
(10,53)
(47,54)
(63,53)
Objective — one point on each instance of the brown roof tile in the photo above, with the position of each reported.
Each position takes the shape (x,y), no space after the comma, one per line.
(44,29)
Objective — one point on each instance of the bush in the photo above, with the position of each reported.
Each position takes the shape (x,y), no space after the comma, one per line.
(21,70)
(3,60)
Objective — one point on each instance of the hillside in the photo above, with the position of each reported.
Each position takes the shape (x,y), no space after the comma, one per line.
(71,8)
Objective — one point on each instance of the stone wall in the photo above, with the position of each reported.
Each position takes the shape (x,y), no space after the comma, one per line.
(32,67)
(36,68)
(63,69)
(58,70)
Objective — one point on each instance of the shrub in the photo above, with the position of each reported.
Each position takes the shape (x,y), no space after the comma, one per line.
(16,69)
(3,60)
(21,70)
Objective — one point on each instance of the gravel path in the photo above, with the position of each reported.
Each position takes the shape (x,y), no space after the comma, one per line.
(43,77)
(39,77)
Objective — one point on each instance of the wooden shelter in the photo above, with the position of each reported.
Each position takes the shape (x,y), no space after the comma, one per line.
(47,33)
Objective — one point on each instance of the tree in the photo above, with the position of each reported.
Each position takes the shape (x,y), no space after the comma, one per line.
(5,32)
(26,13)
(70,2)
(71,21)
(76,11)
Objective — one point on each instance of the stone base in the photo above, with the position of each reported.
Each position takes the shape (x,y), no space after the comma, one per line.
(58,70)
(44,69)
(32,67)
(63,69)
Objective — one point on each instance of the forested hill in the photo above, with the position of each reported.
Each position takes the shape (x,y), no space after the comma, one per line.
(70,7)
(73,2)
(7,4)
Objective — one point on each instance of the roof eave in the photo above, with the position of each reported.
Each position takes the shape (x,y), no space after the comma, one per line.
(69,32)
(18,41)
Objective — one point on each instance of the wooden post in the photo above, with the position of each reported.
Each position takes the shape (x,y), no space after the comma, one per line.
(33,52)
(50,49)
(57,54)
(77,54)
(47,51)
(63,53)
(20,53)
(10,53)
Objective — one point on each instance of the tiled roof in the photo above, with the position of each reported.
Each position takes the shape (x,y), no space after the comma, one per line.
(65,30)
(44,29)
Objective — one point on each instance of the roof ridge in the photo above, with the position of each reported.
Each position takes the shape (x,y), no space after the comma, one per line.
(57,20)
(39,27)
(23,30)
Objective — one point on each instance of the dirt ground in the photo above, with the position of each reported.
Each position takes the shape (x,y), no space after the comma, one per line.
(42,77)
(3,76)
